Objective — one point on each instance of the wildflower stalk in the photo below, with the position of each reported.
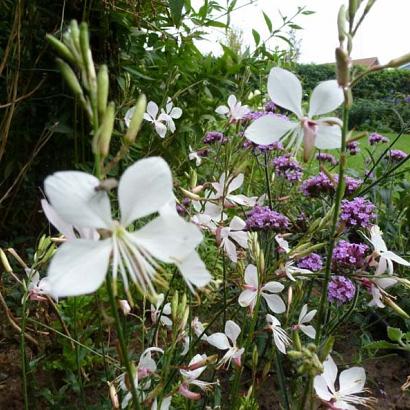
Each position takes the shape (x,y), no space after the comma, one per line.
(123,346)
(23,350)
(338,199)
(267,180)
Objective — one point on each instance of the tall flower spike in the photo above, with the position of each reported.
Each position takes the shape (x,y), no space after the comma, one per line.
(79,266)
(285,90)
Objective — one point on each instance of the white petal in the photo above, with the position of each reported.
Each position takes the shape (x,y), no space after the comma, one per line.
(219,340)
(395,258)
(222,110)
(273,287)
(55,219)
(242,200)
(74,197)
(232,330)
(79,267)
(302,313)
(237,224)
(235,183)
(176,113)
(147,117)
(160,128)
(285,90)
(168,238)
(272,320)
(308,331)
(268,129)
(279,343)
(247,298)
(230,249)
(328,136)
(352,381)
(232,101)
(330,372)
(128,116)
(251,276)
(309,316)
(152,109)
(326,97)
(171,126)
(144,188)
(275,303)
(194,271)
(241,238)
(377,239)
(320,385)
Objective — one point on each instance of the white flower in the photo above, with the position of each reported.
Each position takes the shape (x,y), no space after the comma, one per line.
(285,90)
(377,289)
(194,156)
(152,116)
(290,269)
(249,296)
(36,287)
(351,383)
(306,317)
(173,113)
(208,216)
(165,404)
(125,307)
(283,243)
(380,250)
(235,110)
(199,328)
(280,336)
(234,231)
(166,311)
(227,341)
(79,266)
(224,190)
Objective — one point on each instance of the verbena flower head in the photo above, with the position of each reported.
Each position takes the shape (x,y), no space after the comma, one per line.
(325,157)
(349,257)
(377,138)
(79,266)
(397,155)
(213,137)
(235,110)
(340,290)
(353,147)
(285,90)
(270,106)
(288,168)
(321,184)
(351,384)
(357,213)
(261,218)
(313,262)
(260,149)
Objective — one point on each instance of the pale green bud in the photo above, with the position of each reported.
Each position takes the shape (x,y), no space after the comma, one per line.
(61,48)
(342,67)
(255,357)
(5,261)
(396,308)
(193,178)
(174,306)
(102,89)
(326,348)
(105,131)
(136,120)
(353,6)
(70,77)
(75,34)
(341,23)
(397,62)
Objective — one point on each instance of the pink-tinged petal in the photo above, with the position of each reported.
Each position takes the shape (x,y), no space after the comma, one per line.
(248,298)
(330,373)
(385,283)
(328,136)
(144,188)
(160,128)
(232,330)
(55,219)
(222,110)
(194,271)
(152,109)
(285,90)
(268,129)
(219,340)
(232,101)
(352,381)
(395,258)
(381,266)
(74,197)
(169,239)
(321,389)
(190,395)
(237,224)
(308,331)
(326,97)
(251,276)
(275,303)
(78,267)
(230,249)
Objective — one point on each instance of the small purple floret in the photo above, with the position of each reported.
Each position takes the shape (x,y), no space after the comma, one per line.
(353,147)
(261,218)
(312,262)
(376,138)
(397,155)
(213,137)
(358,213)
(340,290)
(287,167)
(325,157)
(349,257)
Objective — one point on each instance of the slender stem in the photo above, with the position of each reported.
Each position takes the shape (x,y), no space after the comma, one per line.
(267,180)
(123,347)
(281,378)
(77,353)
(338,199)
(224,285)
(23,351)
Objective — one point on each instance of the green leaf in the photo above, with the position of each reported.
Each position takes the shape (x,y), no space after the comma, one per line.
(256,36)
(138,74)
(267,21)
(381,344)
(308,12)
(176,7)
(295,26)
(213,23)
(394,333)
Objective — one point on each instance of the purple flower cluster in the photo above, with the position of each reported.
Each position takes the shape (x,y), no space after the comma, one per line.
(358,213)
(212,137)
(260,149)
(397,155)
(321,184)
(270,106)
(262,218)
(376,138)
(353,147)
(324,157)
(288,168)
(340,290)
(349,257)
(313,262)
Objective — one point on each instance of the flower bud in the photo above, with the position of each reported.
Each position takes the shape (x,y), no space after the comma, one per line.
(75,35)
(124,306)
(294,354)
(255,357)
(102,89)
(136,119)
(341,23)
(396,308)
(70,77)
(326,348)
(342,67)
(174,306)
(353,6)
(399,61)
(113,396)
(88,60)
(5,262)
(190,195)
(105,131)
(193,180)
(61,48)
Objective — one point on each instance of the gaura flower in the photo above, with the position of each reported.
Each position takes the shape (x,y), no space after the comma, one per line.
(290,269)
(195,156)
(152,116)
(351,383)
(227,341)
(285,90)
(386,257)
(280,337)
(377,289)
(235,110)
(79,266)
(173,113)
(224,188)
(306,317)
(268,291)
(156,311)
(209,215)
(229,234)
(199,329)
